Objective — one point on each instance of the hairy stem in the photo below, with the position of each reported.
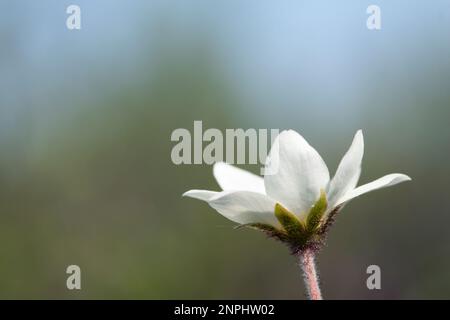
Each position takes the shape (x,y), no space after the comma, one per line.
(309,273)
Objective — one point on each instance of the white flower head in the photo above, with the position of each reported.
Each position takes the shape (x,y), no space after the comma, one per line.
(296,202)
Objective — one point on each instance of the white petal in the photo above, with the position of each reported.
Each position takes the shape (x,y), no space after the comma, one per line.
(232,178)
(204,195)
(348,171)
(245,207)
(295,173)
(386,181)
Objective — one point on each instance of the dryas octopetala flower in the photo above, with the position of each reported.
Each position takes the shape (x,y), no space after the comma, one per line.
(297,202)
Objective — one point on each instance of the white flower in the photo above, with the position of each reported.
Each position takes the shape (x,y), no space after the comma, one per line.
(301,176)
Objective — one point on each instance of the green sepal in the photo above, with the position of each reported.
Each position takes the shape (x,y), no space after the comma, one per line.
(293,226)
(316,213)
(296,233)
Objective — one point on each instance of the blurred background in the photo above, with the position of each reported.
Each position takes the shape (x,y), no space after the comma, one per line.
(86,116)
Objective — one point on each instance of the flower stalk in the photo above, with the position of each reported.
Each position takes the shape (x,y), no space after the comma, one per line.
(308,266)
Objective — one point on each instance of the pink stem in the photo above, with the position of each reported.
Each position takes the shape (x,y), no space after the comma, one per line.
(310,275)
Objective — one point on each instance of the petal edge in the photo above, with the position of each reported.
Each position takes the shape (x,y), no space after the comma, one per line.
(348,172)
(383,182)
(245,207)
(233,178)
(204,195)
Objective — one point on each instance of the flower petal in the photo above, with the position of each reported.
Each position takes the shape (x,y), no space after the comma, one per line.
(348,171)
(245,207)
(295,173)
(233,178)
(204,195)
(386,181)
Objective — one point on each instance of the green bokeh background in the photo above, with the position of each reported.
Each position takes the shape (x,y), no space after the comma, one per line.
(86,116)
